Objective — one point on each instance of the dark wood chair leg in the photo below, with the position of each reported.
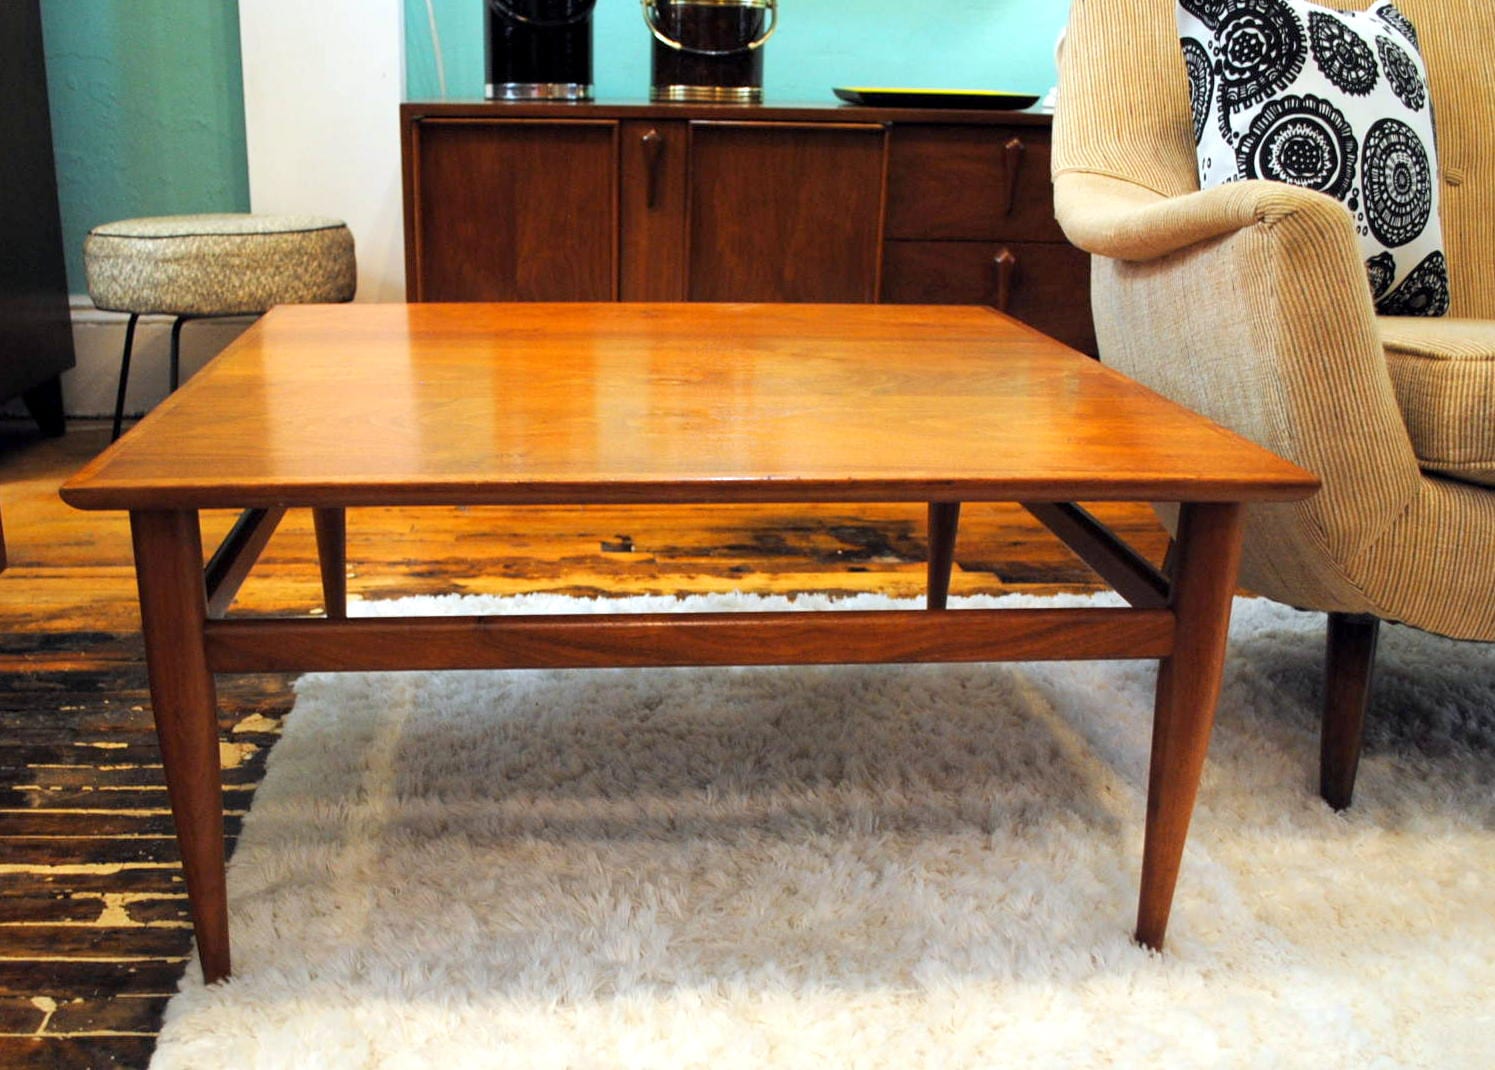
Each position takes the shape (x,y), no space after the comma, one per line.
(332,557)
(44,403)
(944,519)
(173,610)
(1205,564)
(1349,666)
(124,375)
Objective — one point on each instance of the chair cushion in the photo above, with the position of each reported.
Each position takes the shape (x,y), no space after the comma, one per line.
(1443,372)
(209,265)
(1333,101)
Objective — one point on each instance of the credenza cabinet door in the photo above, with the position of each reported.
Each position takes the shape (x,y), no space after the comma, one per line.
(970,183)
(1044,284)
(784,211)
(513,210)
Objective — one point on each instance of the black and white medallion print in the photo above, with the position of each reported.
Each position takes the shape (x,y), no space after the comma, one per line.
(1406,80)
(1342,55)
(1380,268)
(1389,14)
(1201,84)
(1334,101)
(1259,49)
(1302,140)
(1397,177)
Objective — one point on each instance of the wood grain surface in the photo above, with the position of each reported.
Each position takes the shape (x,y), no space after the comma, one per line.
(348,405)
(601,404)
(807,112)
(784,212)
(503,200)
(82,797)
(542,195)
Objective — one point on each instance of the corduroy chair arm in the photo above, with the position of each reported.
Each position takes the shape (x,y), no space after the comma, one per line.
(1115,218)
(1262,320)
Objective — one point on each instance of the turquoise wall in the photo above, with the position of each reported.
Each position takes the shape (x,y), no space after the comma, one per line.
(147,96)
(147,101)
(966,44)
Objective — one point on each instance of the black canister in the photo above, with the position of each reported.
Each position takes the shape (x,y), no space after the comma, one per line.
(709,51)
(539,49)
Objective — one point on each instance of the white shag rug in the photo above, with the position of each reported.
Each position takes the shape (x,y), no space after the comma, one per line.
(902,867)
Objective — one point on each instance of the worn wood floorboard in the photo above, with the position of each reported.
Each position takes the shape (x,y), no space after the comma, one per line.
(93,925)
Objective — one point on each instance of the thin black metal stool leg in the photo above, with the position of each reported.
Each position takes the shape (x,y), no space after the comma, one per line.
(176,351)
(124,376)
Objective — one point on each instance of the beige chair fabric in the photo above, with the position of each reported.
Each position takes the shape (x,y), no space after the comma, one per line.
(1249,303)
(215,265)
(1443,372)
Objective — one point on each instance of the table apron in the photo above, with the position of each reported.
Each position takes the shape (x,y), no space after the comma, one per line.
(832,637)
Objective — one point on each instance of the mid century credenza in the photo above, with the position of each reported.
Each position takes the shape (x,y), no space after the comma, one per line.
(635,202)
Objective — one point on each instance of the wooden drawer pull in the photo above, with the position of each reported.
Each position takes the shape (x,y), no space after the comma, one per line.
(1012,162)
(1006,265)
(653,143)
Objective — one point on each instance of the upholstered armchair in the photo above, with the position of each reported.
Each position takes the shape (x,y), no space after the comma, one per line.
(1249,302)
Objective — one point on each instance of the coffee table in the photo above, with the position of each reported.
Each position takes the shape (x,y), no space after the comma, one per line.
(329,407)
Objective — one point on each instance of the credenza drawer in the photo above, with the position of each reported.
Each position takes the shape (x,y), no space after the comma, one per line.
(1044,284)
(970,183)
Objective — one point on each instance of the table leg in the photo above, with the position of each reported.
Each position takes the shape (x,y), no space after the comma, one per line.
(332,557)
(173,610)
(944,519)
(1208,553)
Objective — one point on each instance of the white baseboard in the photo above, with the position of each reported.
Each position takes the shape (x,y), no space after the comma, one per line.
(88,390)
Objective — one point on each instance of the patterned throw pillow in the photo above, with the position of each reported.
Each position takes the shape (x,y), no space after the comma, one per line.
(1333,101)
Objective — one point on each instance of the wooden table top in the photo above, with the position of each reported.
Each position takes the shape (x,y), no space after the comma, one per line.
(367,404)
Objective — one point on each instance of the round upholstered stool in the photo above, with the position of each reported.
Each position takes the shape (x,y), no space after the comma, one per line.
(201,266)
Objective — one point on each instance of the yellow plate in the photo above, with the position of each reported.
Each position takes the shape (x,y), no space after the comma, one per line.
(886,97)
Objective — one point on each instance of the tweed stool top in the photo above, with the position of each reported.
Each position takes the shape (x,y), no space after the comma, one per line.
(218,265)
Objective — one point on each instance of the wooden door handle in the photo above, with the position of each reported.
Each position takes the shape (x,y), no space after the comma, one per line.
(653,143)
(1006,265)
(1012,162)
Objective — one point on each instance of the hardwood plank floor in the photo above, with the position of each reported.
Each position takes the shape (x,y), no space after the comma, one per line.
(93,927)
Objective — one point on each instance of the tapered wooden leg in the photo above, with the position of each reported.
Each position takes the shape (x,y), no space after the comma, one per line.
(1204,571)
(1349,666)
(173,609)
(332,556)
(944,519)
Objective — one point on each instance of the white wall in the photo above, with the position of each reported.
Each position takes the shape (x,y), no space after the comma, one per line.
(323,80)
(89,388)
